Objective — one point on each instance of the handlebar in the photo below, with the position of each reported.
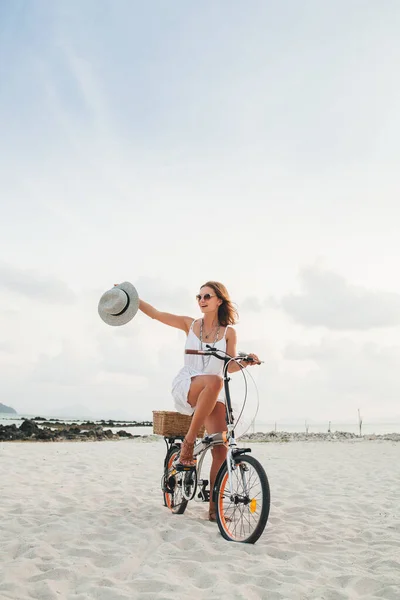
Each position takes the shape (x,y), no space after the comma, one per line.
(213,352)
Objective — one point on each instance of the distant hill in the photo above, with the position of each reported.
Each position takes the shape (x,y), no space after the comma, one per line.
(7,409)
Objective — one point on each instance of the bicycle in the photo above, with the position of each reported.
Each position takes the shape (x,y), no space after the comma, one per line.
(241,491)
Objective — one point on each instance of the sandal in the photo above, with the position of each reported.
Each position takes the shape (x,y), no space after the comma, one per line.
(212,516)
(186,459)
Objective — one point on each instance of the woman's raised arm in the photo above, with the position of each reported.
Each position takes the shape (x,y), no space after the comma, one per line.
(166,318)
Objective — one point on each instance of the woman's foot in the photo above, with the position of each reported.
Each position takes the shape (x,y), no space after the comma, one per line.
(186,455)
(212,514)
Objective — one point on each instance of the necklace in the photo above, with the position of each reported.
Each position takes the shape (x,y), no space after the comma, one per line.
(207,335)
(206,359)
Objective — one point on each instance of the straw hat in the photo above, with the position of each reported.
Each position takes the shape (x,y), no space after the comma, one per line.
(119,305)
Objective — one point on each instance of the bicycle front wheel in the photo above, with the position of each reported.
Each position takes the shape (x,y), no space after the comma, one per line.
(242,508)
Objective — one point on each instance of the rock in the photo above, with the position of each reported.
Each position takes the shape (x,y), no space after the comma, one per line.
(46,435)
(7,433)
(337,436)
(123,433)
(390,437)
(75,429)
(88,424)
(29,428)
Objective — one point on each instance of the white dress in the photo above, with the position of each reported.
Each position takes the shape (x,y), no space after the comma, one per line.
(196,365)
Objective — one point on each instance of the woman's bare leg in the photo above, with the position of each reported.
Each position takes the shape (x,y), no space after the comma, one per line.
(215,423)
(203,394)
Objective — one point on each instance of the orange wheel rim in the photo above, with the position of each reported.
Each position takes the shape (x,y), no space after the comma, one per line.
(167,495)
(221,506)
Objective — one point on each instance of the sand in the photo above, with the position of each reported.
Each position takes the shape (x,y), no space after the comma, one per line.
(85,521)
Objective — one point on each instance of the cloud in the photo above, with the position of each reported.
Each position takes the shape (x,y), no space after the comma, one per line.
(328,300)
(34,285)
(345,373)
(67,368)
(251,303)
(6,347)
(154,352)
(165,294)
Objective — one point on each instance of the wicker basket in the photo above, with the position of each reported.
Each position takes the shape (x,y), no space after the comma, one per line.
(169,424)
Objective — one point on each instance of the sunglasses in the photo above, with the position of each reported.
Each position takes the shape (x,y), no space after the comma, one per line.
(205,297)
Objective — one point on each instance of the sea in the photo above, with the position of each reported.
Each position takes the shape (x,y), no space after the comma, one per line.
(375,427)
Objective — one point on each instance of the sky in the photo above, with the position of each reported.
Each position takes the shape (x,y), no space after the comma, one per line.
(167,144)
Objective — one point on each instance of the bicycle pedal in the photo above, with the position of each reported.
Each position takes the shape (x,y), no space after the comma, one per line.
(204,493)
(185,468)
(204,496)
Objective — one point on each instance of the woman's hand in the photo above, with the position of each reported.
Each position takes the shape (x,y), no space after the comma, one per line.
(255,361)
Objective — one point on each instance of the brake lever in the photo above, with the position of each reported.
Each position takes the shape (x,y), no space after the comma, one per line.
(246,358)
(211,348)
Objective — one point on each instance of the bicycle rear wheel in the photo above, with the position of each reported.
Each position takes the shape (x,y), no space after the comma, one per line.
(173,485)
(242,512)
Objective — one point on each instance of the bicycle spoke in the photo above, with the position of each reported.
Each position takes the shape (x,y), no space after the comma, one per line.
(174,498)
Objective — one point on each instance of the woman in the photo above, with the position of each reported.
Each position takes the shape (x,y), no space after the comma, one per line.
(198,387)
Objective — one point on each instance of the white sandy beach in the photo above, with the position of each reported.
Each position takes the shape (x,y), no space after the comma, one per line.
(85,521)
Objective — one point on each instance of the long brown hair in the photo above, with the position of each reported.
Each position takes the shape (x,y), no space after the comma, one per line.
(227,313)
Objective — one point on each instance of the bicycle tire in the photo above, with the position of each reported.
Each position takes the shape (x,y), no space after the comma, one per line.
(173,479)
(242,516)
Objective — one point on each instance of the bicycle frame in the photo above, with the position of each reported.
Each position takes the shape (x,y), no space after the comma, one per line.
(217,439)
(240,492)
